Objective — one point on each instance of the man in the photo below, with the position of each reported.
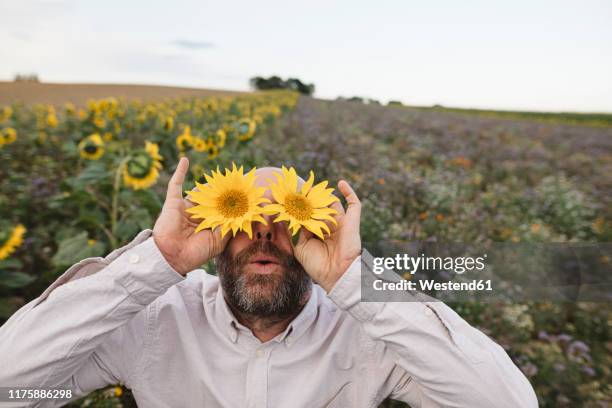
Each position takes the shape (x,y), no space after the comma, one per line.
(261,335)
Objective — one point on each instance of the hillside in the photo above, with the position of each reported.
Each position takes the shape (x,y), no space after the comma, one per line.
(58,94)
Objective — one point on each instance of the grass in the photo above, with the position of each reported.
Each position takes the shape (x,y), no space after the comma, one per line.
(566,118)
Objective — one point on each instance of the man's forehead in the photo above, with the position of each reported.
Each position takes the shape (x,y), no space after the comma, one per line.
(265,175)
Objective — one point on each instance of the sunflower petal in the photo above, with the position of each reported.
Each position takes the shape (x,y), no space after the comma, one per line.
(308,184)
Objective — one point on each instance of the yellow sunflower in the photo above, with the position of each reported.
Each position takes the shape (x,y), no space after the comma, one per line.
(11,241)
(99,122)
(8,136)
(70,109)
(167,123)
(51,117)
(246,129)
(92,147)
(221,137)
(231,201)
(184,141)
(5,113)
(306,207)
(212,149)
(199,144)
(142,169)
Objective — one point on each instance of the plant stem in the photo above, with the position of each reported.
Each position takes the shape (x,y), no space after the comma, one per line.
(115,201)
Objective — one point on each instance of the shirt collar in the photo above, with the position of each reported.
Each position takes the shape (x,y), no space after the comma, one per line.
(231,327)
(224,316)
(304,319)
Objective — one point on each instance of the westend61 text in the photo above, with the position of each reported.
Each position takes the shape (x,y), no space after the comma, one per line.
(428,285)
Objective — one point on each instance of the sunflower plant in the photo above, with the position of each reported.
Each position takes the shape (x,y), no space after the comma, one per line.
(11,238)
(184,141)
(245,128)
(92,147)
(7,136)
(141,170)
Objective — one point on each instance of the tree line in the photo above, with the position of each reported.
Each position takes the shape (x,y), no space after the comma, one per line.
(275,82)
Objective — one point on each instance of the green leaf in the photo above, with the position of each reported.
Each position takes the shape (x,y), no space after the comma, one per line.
(126,230)
(93,216)
(65,233)
(126,196)
(150,200)
(15,279)
(70,147)
(76,248)
(10,263)
(142,218)
(94,173)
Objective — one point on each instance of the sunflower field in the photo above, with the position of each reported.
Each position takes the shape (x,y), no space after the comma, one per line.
(78,181)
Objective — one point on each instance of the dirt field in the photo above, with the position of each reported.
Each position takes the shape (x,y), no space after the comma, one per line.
(58,94)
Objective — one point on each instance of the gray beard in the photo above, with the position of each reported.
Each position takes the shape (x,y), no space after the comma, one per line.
(263,296)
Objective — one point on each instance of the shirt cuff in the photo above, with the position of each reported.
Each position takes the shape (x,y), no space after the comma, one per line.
(346,293)
(144,272)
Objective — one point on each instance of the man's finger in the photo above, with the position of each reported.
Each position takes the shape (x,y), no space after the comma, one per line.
(175,186)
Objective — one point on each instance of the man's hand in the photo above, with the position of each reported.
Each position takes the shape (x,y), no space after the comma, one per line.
(326,261)
(174,230)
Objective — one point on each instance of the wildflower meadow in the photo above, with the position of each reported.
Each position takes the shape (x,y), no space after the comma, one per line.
(80,181)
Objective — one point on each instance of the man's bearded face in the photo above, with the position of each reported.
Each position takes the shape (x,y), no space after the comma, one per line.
(263,280)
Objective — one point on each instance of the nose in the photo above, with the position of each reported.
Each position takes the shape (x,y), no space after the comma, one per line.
(264,231)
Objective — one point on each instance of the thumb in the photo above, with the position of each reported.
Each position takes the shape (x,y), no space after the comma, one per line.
(175,185)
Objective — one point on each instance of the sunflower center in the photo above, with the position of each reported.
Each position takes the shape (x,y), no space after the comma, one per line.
(139,165)
(243,128)
(184,143)
(233,203)
(298,207)
(91,149)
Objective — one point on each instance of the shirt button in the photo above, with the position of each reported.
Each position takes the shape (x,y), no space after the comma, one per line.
(259,353)
(134,259)
(289,340)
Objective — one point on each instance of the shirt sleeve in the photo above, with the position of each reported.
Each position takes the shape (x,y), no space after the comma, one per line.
(451,363)
(86,329)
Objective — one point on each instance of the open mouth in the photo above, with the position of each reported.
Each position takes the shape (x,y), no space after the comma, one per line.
(262,259)
(262,263)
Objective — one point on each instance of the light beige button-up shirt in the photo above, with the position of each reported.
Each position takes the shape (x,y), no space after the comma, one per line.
(130,318)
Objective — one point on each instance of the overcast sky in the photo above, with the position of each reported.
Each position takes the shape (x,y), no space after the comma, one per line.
(537,55)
